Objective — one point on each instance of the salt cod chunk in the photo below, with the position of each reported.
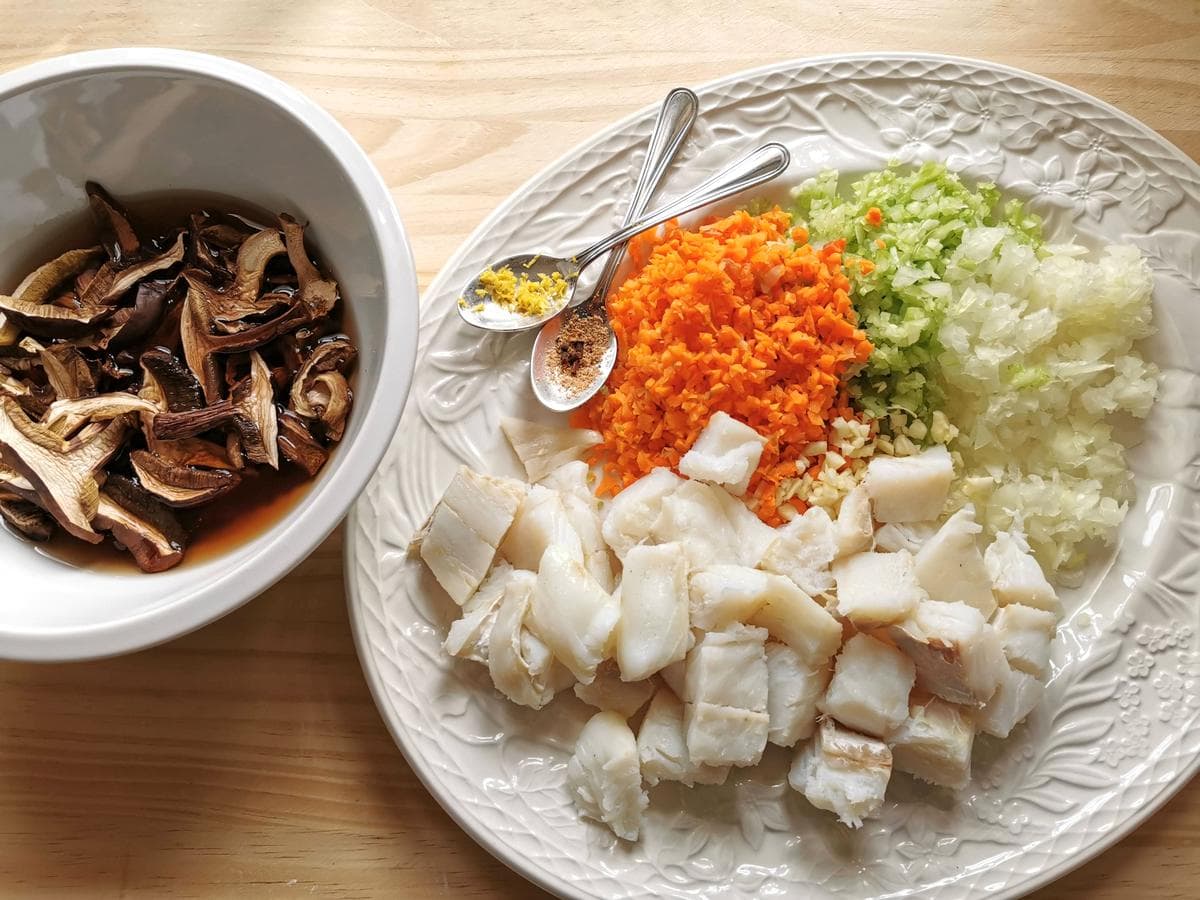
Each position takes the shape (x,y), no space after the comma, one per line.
(469,634)
(459,541)
(540,522)
(584,518)
(843,772)
(910,536)
(572,478)
(803,549)
(725,594)
(876,589)
(725,688)
(675,676)
(653,630)
(726,453)
(694,515)
(632,513)
(870,686)
(1017,695)
(1026,633)
(604,778)
(793,690)
(934,744)
(950,567)
(608,692)
(795,618)
(1016,575)
(543,448)
(522,667)
(958,655)
(572,613)
(855,530)
(910,488)
(754,535)
(662,746)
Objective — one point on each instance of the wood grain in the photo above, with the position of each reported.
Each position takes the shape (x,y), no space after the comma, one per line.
(247,759)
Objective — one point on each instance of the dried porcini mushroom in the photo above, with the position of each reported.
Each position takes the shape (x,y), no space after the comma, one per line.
(155,371)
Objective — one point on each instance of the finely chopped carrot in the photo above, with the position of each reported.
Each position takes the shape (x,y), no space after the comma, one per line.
(740,315)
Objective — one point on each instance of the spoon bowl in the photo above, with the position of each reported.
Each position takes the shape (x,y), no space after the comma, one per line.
(555,392)
(478,306)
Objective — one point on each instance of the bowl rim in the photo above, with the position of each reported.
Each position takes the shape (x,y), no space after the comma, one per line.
(330,499)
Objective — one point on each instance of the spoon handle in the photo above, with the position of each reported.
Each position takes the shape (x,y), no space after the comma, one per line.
(761,165)
(675,119)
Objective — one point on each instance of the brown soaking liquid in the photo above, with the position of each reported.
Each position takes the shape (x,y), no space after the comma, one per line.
(265,496)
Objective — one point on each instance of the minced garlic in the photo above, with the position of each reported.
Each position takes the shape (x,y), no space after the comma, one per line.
(523,294)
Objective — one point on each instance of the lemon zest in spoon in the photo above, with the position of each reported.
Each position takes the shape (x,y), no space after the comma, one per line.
(522,294)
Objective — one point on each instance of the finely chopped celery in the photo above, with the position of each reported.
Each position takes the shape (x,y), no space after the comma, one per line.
(1026,347)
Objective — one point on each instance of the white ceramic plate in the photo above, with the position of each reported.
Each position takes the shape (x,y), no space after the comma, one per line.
(1117,732)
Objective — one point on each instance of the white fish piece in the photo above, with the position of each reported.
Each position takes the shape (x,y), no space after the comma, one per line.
(653,630)
(1017,695)
(910,536)
(543,448)
(795,618)
(950,567)
(486,503)
(877,589)
(586,523)
(574,479)
(843,773)
(1016,575)
(855,529)
(604,777)
(1026,634)
(540,522)
(803,550)
(608,692)
(958,655)
(573,614)
(519,663)
(793,690)
(675,676)
(870,686)
(725,735)
(469,634)
(910,488)
(754,536)
(728,668)
(694,515)
(934,743)
(726,453)
(725,594)
(632,513)
(662,746)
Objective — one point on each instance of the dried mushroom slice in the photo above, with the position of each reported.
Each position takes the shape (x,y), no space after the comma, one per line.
(117,234)
(320,391)
(132,323)
(240,301)
(27,518)
(250,409)
(63,473)
(46,320)
(141,524)
(169,386)
(181,486)
(110,283)
(298,445)
(317,294)
(97,409)
(177,385)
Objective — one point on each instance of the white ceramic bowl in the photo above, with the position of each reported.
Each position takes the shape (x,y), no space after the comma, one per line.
(146,120)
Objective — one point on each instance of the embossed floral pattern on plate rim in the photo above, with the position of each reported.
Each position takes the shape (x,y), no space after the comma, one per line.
(1119,732)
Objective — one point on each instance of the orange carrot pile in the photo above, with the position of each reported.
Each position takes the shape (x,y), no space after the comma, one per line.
(740,315)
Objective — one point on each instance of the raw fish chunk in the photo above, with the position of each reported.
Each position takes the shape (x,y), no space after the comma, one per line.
(843,772)
(728,668)
(934,743)
(604,778)
(754,535)
(910,488)
(855,531)
(573,614)
(726,453)
(541,521)
(573,478)
(950,567)
(469,634)
(632,513)
(653,630)
(1025,634)
(725,735)
(803,549)
(793,690)
(585,522)
(662,746)
(877,589)
(485,503)
(724,594)
(1016,575)
(958,655)
(543,448)
(910,536)
(608,692)
(521,665)
(870,686)
(694,515)
(795,618)
(1015,698)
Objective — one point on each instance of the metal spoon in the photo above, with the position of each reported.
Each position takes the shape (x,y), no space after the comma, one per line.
(479,309)
(675,120)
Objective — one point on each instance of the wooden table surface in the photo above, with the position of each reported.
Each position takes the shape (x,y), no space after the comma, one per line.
(247,759)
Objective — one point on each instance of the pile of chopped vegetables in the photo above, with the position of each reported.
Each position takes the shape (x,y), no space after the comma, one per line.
(741,315)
